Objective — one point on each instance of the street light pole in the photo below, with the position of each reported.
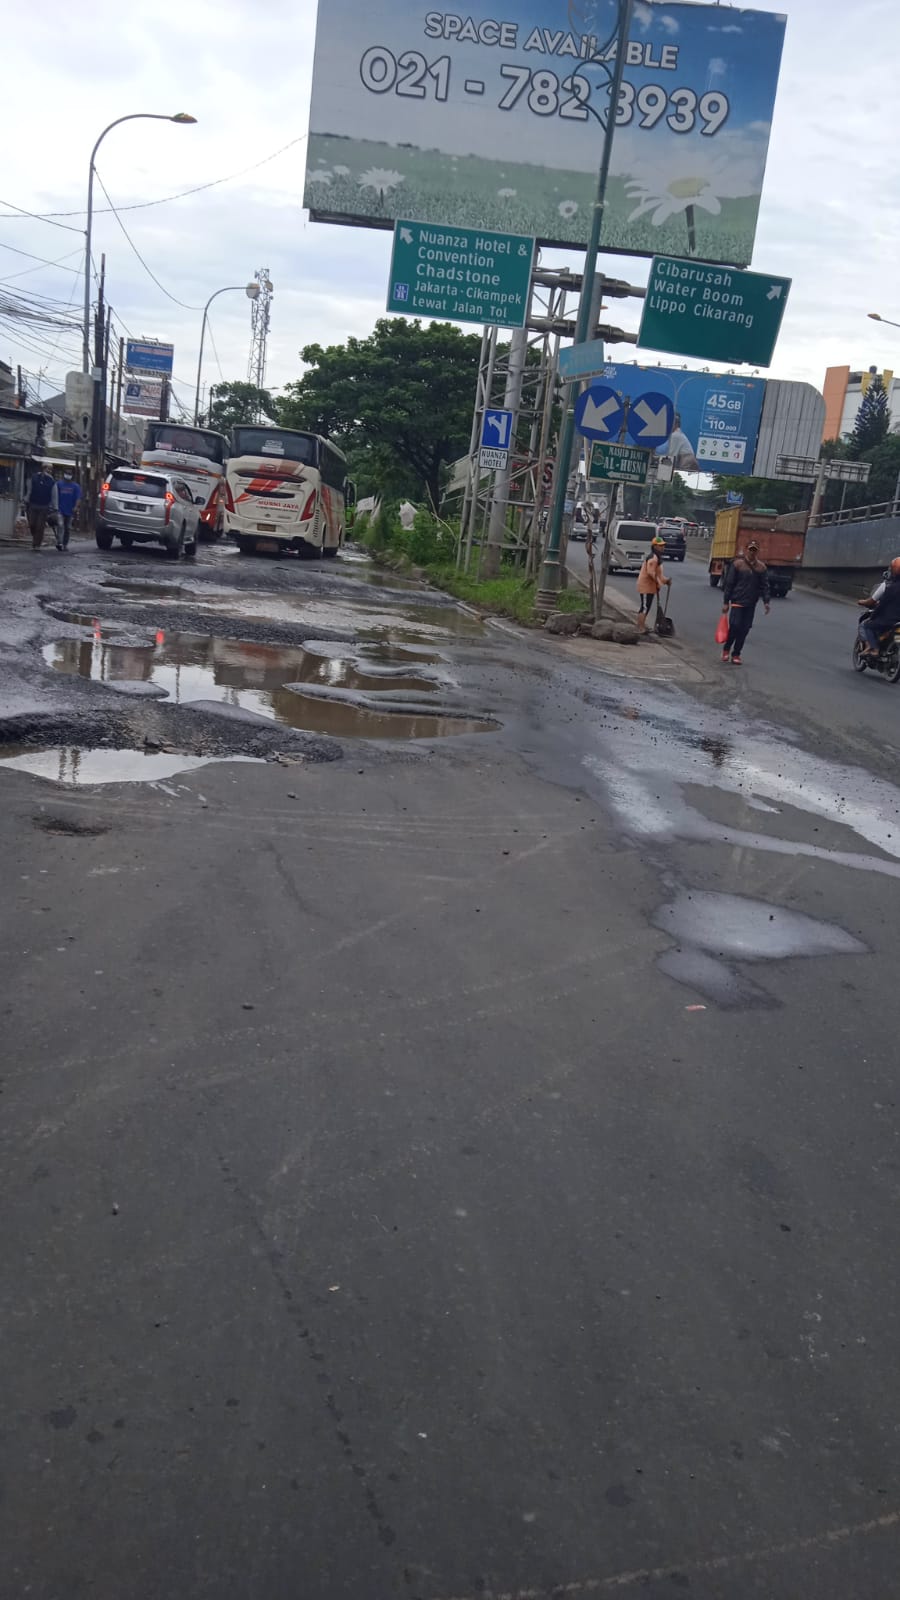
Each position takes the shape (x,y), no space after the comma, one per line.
(549,583)
(251,290)
(133,116)
(875,316)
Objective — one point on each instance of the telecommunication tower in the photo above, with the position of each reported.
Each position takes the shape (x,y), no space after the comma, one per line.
(260,318)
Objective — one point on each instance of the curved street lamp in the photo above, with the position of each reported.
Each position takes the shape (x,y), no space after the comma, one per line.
(133,116)
(876,316)
(251,290)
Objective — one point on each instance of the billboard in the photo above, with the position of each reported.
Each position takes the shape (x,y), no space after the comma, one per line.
(477,122)
(716,418)
(792,420)
(143,355)
(142,399)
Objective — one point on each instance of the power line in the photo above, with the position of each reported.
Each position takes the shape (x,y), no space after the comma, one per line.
(42,260)
(149,271)
(38,217)
(24,271)
(212,340)
(143,205)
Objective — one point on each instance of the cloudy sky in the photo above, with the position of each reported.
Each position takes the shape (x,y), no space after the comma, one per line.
(830,215)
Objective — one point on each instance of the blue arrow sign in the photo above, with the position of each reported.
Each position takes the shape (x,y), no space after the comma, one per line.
(496,429)
(599,412)
(650,419)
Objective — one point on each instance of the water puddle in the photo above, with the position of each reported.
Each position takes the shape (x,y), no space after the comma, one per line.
(268,680)
(713,930)
(657,756)
(751,930)
(73,767)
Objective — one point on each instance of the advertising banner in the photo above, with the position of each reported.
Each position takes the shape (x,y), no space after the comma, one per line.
(716,419)
(495,120)
(145,356)
(142,399)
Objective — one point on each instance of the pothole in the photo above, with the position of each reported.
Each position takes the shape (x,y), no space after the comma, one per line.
(420,621)
(268,681)
(72,766)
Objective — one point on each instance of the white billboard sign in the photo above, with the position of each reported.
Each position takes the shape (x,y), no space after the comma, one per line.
(142,397)
(476,121)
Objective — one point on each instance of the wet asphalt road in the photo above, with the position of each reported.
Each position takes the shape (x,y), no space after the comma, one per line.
(462,1167)
(798,657)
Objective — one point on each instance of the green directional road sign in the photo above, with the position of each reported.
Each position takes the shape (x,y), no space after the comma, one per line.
(463,274)
(619,463)
(714,313)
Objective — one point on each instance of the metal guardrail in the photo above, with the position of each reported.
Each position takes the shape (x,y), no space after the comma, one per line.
(830,519)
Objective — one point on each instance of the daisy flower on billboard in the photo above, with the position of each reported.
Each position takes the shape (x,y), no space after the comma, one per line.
(697,183)
(380,178)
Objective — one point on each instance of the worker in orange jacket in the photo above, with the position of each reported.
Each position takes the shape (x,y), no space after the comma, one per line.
(650,581)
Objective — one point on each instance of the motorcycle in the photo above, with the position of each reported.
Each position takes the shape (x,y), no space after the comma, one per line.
(887,661)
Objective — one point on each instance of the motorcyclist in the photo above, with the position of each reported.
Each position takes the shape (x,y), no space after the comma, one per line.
(884,606)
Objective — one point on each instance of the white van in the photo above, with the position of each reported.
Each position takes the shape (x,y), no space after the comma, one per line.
(629,544)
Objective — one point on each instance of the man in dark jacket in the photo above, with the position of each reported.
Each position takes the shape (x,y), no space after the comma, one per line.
(886,614)
(41,501)
(746,583)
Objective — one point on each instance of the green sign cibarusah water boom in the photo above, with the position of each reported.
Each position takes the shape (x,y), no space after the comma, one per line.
(495,120)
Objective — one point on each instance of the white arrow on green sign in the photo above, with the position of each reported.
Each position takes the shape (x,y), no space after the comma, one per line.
(714,313)
(464,274)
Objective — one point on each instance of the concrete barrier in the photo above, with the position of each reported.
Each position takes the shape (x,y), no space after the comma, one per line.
(848,558)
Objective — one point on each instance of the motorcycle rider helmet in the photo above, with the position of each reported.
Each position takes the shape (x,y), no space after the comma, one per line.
(895,567)
(657,543)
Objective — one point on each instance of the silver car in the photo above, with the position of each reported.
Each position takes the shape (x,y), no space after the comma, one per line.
(139,507)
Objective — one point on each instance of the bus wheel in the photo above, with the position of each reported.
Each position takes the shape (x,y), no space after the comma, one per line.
(330,551)
(246,547)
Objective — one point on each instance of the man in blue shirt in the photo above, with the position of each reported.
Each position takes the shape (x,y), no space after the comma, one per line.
(41,501)
(68,494)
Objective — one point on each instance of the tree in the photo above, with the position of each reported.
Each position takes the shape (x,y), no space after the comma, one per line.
(399,402)
(232,403)
(873,421)
(769,494)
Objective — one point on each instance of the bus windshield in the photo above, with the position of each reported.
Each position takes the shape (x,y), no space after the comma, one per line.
(276,444)
(186,441)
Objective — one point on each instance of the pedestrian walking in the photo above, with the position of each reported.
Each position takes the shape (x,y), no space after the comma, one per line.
(746,583)
(68,494)
(650,580)
(41,501)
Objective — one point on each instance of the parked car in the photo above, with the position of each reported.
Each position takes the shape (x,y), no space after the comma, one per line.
(147,508)
(673,532)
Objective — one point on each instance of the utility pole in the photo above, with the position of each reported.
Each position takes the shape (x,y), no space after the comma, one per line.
(119,396)
(164,399)
(549,583)
(518,351)
(98,410)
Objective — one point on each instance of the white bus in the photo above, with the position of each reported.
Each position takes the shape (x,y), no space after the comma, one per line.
(284,490)
(198,456)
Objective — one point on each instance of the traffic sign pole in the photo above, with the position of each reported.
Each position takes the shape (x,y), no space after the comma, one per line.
(549,582)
